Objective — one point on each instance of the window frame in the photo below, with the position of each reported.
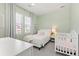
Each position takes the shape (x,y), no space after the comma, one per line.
(21,18)
(26,24)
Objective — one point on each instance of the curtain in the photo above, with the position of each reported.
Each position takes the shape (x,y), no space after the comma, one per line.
(9,20)
(2,20)
(12,20)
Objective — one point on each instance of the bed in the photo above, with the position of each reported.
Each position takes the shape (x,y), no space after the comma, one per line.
(40,39)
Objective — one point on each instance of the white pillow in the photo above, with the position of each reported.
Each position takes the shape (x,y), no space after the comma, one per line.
(44,31)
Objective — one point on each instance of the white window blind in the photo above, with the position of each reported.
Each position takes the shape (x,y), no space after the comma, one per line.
(19,18)
(23,21)
(27,24)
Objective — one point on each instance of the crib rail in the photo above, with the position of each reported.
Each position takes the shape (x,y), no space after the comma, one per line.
(67,43)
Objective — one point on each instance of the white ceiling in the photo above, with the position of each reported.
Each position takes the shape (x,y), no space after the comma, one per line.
(41,8)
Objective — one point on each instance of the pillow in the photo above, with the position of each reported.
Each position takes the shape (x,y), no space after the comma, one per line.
(41,33)
(44,31)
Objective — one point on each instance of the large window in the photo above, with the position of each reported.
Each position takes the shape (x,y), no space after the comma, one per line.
(19,18)
(27,24)
(20,23)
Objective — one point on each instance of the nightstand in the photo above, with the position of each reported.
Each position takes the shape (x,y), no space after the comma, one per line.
(52,38)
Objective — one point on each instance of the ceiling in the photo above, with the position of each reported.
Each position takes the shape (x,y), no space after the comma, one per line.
(41,8)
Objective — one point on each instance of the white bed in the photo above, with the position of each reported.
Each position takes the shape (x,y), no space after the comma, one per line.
(39,39)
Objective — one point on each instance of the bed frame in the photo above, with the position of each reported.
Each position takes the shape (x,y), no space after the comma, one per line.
(42,46)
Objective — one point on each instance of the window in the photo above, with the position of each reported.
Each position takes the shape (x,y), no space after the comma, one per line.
(27,24)
(19,18)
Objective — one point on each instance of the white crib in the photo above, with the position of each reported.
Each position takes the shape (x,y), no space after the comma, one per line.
(67,43)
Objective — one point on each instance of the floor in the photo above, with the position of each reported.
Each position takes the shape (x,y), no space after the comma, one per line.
(48,50)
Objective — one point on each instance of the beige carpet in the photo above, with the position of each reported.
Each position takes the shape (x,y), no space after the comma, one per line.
(48,50)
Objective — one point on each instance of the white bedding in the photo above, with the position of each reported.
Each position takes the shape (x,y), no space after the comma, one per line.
(38,39)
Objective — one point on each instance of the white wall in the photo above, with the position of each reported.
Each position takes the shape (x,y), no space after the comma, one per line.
(66,19)
(75,17)
(60,18)
(34,23)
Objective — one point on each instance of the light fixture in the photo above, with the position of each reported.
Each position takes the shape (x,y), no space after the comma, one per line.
(32,5)
(62,6)
(54,30)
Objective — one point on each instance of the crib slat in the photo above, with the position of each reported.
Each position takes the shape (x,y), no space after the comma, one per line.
(67,43)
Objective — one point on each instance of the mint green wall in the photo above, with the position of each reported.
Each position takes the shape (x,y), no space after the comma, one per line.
(75,17)
(34,23)
(60,18)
